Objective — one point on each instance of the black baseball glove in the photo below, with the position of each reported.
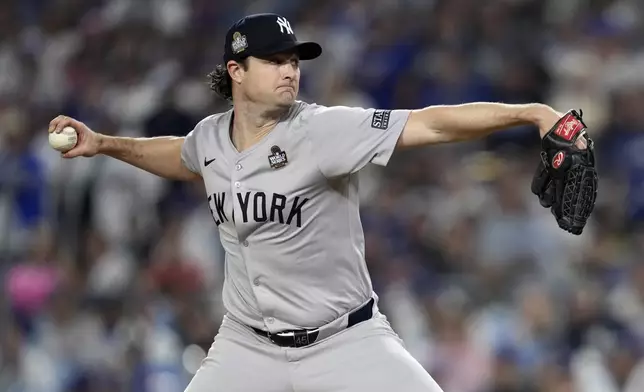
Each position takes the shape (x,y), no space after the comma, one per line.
(566,179)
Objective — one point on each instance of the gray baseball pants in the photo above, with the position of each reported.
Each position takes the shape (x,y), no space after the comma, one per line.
(368,357)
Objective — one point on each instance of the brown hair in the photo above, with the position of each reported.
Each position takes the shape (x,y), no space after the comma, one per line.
(220,82)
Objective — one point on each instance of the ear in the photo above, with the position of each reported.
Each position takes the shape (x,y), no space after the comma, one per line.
(235,70)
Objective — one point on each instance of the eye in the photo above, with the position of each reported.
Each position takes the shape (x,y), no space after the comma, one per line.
(295,62)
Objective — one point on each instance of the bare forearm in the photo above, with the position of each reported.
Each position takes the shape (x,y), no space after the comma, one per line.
(160,155)
(442,124)
(475,120)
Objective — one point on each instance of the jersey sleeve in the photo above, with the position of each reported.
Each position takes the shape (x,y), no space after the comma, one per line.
(345,139)
(190,153)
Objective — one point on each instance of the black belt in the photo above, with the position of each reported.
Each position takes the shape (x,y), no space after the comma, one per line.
(303,337)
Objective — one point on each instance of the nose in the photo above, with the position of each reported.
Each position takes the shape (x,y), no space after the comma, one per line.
(288,71)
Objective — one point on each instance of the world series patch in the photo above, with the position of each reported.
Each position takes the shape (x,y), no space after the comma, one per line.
(380,119)
(277,158)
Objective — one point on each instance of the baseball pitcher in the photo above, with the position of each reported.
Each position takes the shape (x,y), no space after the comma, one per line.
(281,181)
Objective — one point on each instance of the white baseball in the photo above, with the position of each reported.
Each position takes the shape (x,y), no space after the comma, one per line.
(65,140)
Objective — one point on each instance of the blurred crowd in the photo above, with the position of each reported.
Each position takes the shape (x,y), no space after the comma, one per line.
(111,277)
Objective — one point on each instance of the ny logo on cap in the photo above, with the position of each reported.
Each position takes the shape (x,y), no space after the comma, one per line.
(284,24)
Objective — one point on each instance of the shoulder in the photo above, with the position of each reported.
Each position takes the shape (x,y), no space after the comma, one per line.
(212,123)
(314,113)
(305,118)
(315,110)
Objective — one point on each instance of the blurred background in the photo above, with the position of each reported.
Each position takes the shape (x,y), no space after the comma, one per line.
(111,277)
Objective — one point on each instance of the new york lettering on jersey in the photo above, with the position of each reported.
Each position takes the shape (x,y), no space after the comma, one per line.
(258,207)
(271,182)
(293,194)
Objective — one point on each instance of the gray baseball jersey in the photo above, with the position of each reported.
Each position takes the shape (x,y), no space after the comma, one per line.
(287,210)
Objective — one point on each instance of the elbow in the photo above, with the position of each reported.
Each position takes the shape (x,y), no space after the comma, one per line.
(453,135)
(437,125)
(448,124)
(437,119)
(184,174)
(191,177)
(422,130)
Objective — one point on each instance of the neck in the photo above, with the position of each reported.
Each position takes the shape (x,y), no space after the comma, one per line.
(252,122)
(252,118)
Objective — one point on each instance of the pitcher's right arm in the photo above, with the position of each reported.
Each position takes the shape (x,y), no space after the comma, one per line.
(159,155)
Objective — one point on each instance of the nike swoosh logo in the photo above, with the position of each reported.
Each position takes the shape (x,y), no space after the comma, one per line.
(206,162)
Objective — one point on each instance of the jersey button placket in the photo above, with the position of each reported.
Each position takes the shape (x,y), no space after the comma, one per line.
(256,282)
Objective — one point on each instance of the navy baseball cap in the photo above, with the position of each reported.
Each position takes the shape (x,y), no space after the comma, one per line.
(266,34)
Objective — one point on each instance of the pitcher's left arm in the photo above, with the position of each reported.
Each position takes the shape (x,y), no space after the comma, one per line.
(453,123)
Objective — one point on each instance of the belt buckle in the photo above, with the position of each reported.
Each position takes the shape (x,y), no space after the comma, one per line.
(301,338)
(272,336)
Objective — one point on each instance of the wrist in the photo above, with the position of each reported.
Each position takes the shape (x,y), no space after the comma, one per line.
(534,113)
(102,143)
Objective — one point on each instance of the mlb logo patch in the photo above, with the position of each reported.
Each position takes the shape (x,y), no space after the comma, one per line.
(277,158)
(380,119)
